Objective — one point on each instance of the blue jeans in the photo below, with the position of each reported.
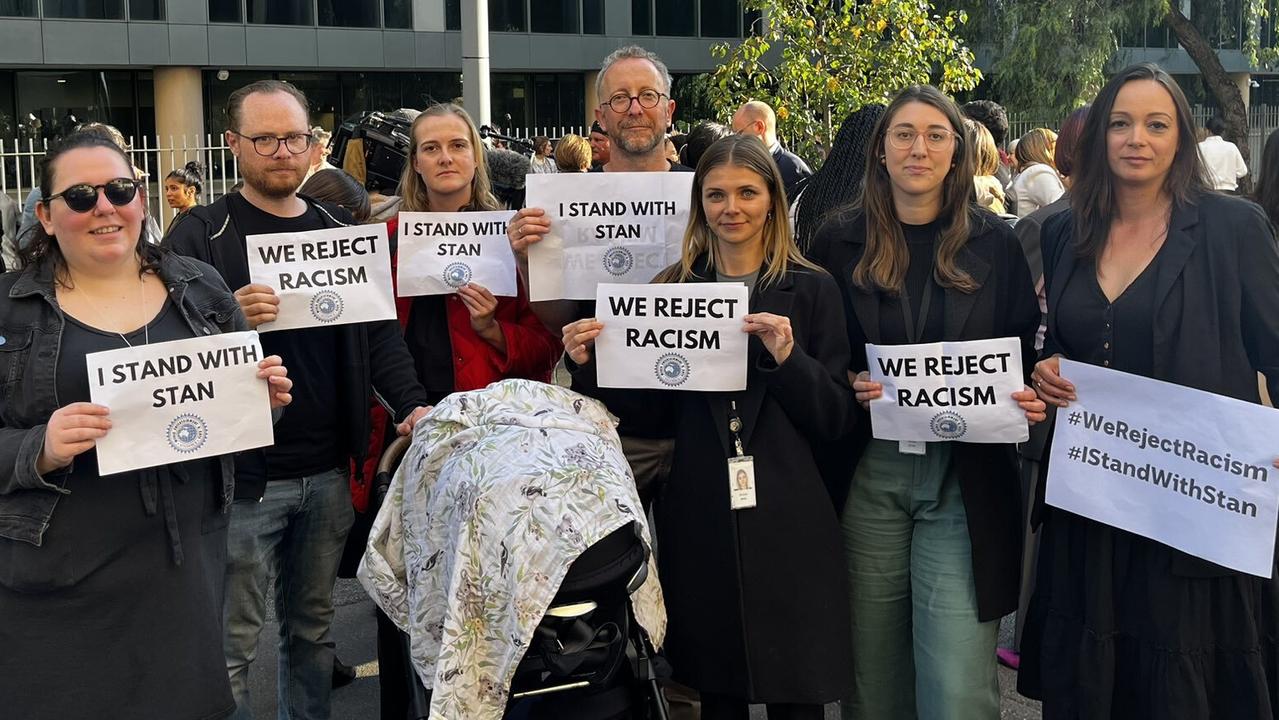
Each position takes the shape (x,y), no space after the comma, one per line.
(295,535)
(918,649)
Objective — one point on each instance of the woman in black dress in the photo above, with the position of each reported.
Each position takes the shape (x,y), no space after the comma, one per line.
(110,587)
(1151,273)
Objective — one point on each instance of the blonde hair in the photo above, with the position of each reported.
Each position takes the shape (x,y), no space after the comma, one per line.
(572,153)
(780,252)
(985,154)
(1036,146)
(412,189)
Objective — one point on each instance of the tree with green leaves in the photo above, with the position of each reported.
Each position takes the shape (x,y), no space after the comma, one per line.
(817,61)
(1053,56)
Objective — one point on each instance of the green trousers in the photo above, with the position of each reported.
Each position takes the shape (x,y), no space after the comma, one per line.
(918,649)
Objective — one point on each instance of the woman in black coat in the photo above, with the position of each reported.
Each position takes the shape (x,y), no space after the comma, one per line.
(932,537)
(1152,273)
(757,597)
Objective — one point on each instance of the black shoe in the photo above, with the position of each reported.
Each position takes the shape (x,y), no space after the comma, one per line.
(343,674)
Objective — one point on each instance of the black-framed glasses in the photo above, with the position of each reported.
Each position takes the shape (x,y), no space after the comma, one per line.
(903,138)
(268,145)
(84,197)
(621,102)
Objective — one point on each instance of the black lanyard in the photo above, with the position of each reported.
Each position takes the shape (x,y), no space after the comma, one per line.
(913,332)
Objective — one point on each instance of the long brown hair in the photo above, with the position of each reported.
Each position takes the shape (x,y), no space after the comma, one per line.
(1092,196)
(413,189)
(780,252)
(883,265)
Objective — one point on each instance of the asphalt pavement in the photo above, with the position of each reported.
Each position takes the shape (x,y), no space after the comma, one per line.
(356,634)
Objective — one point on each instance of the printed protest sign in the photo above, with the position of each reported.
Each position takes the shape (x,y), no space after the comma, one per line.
(1183,467)
(441,252)
(672,336)
(605,228)
(948,391)
(325,277)
(181,400)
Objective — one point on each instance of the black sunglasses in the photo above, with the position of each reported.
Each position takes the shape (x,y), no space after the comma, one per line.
(84,197)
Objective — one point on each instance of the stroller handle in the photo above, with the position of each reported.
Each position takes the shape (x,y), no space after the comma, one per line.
(386,467)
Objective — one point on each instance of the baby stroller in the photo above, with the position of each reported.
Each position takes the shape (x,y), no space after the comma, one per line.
(589,658)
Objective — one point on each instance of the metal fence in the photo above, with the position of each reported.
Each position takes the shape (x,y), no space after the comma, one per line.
(1262,120)
(20,161)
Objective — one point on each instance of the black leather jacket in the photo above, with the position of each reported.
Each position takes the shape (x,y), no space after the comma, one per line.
(30,339)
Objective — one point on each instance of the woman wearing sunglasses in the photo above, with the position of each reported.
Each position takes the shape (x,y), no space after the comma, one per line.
(110,587)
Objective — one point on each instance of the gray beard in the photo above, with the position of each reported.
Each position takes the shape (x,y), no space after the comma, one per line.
(635,148)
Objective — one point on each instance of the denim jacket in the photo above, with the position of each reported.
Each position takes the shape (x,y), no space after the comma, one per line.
(31,325)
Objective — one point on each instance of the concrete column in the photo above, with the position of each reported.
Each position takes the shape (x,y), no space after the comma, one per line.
(592,97)
(179,125)
(1244,82)
(475,60)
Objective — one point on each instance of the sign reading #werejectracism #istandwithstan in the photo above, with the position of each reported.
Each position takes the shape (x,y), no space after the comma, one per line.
(605,228)
(1187,468)
(181,400)
(325,277)
(935,392)
(672,336)
(441,252)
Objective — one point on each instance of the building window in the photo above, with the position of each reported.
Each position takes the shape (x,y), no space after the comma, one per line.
(348,13)
(280,12)
(719,18)
(507,16)
(641,17)
(452,14)
(85,9)
(146,9)
(398,14)
(52,102)
(555,16)
(676,18)
(224,11)
(593,17)
(17,8)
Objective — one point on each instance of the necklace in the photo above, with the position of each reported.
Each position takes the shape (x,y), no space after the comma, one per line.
(146,324)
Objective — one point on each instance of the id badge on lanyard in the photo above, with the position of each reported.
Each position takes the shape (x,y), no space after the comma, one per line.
(914,333)
(741,468)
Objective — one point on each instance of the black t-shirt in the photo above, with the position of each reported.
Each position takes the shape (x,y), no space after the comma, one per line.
(308,437)
(921,243)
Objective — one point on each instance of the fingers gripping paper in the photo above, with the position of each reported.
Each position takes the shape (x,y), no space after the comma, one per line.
(325,277)
(181,400)
(605,228)
(441,252)
(672,336)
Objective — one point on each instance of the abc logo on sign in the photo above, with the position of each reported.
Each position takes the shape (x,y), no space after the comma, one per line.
(326,306)
(618,261)
(187,432)
(672,369)
(948,425)
(457,274)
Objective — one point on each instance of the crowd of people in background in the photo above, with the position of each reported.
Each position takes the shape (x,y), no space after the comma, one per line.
(874,576)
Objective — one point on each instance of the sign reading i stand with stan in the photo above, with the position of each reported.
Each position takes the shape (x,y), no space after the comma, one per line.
(672,336)
(325,277)
(605,228)
(180,400)
(441,252)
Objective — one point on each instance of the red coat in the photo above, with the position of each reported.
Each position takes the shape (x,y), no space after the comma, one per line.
(531,353)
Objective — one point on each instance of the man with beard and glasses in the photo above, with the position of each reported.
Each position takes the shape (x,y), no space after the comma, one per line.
(293,505)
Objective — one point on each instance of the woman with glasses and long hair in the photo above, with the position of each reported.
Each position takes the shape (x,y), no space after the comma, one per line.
(757,598)
(931,534)
(1152,273)
(110,587)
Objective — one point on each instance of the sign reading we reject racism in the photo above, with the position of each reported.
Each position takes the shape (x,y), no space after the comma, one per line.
(672,336)
(325,277)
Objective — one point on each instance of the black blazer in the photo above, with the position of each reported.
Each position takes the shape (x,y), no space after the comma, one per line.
(1216,320)
(1004,306)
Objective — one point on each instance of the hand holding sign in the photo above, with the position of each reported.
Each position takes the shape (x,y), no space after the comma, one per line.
(529,226)
(276,375)
(774,331)
(1049,383)
(72,429)
(259,303)
(578,338)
